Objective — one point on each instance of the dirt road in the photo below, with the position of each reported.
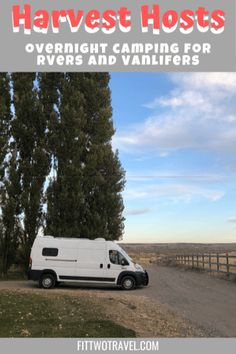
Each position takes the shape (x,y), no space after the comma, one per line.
(208,302)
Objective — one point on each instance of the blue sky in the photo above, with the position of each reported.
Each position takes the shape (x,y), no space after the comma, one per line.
(176,135)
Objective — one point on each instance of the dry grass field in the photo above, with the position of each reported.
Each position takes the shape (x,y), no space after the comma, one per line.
(147,254)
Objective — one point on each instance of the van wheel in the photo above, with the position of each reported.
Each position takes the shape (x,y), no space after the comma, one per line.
(128,283)
(47,281)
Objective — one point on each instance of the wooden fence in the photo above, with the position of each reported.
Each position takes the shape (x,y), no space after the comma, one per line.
(221,263)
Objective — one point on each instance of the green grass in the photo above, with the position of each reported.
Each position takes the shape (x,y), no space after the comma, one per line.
(36,315)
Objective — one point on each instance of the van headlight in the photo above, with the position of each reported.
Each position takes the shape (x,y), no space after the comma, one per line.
(139,268)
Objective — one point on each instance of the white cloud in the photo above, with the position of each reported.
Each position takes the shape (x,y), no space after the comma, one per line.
(179,98)
(163,153)
(174,192)
(134,212)
(206,81)
(199,113)
(149,175)
(232,219)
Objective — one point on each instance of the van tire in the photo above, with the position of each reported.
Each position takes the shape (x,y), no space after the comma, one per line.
(128,282)
(47,281)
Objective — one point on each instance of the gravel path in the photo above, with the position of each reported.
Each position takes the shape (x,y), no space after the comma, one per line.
(207,301)
(204,299)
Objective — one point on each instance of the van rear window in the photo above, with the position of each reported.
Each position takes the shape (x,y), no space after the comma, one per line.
(50,252)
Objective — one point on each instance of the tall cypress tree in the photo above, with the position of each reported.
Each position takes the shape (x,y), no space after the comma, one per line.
(85,198)
(49,96)
(29,132)
(11,228)
(5,118)
(9,182)
(65,193)
(103,179)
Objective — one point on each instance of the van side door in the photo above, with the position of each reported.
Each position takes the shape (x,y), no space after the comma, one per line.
(90,265)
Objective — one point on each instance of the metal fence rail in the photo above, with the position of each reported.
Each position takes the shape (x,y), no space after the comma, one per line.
(213,262)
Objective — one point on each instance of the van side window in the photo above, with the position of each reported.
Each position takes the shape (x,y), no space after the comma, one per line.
(50,252)
(117,258)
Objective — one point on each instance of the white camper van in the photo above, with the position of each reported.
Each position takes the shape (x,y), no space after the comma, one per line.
(54,260)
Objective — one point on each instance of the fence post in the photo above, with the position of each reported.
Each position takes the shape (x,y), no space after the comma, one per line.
(227,263)
(210,262)
(192,261)
(197,262)
(203,261)
(218,262)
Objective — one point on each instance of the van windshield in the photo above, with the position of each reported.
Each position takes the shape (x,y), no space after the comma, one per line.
(126,255)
